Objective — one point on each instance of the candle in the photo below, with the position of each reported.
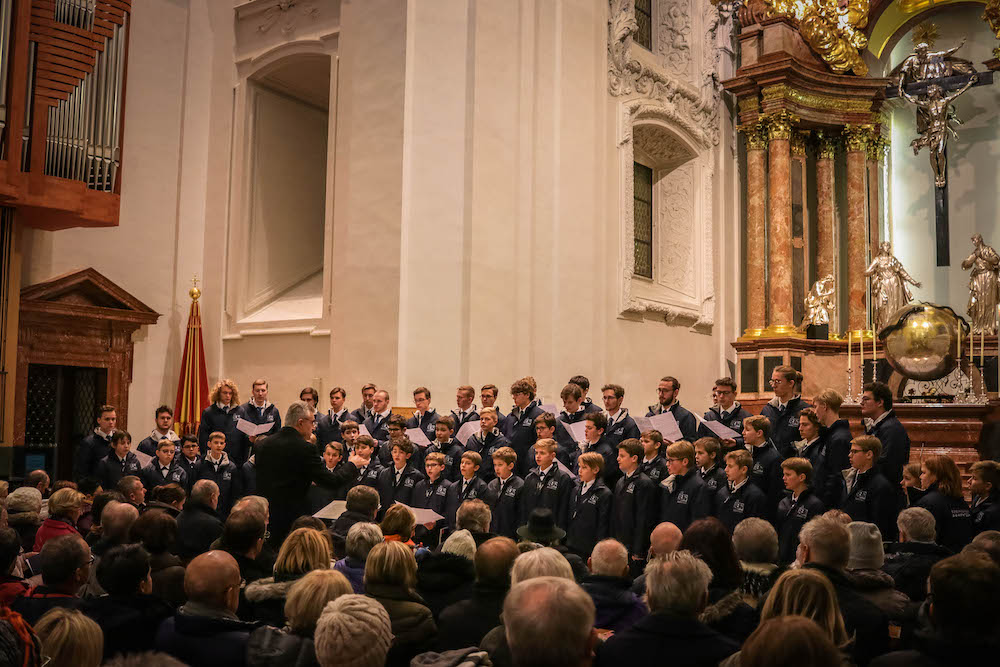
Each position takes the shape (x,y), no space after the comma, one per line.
(982,348)
(861,348)
(849,354)
(874,358)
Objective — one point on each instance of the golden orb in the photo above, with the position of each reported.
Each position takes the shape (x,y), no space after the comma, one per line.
(922,341)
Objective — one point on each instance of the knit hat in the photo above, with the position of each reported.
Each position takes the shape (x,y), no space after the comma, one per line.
(24,499)
(460,543)
(866,546)
(353,631)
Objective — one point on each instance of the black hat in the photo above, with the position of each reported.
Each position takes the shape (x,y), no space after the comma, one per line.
(541,527)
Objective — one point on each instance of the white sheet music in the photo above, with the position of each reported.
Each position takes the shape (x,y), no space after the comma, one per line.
(248,427)
(468,430)
(667,426)
(332,511)
(417,437)
(423,515)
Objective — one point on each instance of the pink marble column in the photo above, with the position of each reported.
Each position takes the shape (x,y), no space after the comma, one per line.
(825,249)
(857,225)
(779,209)
(756,220)
(875,149)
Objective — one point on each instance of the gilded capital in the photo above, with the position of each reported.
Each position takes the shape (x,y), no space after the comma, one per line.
(827,144)
(877,147)
(799,140)
(756,134)
(858,137)
(779,125)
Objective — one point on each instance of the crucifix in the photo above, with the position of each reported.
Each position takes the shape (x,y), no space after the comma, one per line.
(931,81)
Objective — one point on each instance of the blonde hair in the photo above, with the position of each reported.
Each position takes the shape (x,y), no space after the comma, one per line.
(592,460)
(70,639)
(304,550)
(547,445)
(216,396)
(805,592)
(391,563)
(830,398)
(64,501)
(308,596)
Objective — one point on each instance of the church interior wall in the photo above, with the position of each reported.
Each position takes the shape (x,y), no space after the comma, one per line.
(973,178)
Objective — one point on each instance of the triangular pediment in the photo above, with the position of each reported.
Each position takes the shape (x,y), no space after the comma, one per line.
(83,291)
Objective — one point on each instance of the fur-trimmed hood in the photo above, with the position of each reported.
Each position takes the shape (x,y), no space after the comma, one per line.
(267,589)
(870,580)
(725,606)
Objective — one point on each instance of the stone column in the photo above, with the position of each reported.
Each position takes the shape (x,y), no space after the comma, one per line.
(779,213)
(825,206)
(876,148)
(857,138)
(756,136)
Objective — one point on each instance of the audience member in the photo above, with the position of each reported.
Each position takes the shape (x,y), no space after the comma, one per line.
(467,621)
(70,639)
(544,562)
(304,550)
(292,645)
(475,516)
(11,585)
(756,544)
(864,569)
(353,630)
(549,622)
(116,522)
(789,642)
(942,482)
(65,508)
(446,576)
(390,578)
(987,542)
(806,592)
(984,483)
(397,525)
(206,630)
(664,539)
(198,525)
(824,545)
(361,539)
(156,530)
(617,607)
(18,643)
(65,564)
(677,593)
(24,506)
(243,538)
(362,506)
(101,500)
(910,560)
(169,497)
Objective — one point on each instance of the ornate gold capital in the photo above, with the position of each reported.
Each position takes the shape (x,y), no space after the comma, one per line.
(756,134)
(799,140)
(827,144)
(858,137)
(877,147)
(779,125)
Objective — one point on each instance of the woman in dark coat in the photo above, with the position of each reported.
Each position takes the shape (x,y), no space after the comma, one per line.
(390,577)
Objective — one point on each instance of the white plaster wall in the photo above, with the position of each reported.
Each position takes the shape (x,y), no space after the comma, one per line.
(973,178)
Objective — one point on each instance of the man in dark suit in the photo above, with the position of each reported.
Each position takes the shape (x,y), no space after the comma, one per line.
(287,464)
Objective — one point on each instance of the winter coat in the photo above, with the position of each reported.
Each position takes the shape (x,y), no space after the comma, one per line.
(52,527)
(470,656)
(271,647)
(666,639)
(909,564)
(197,527)
(863,619)
(413,627)
(204,640)
(933,650)
(354,571)
(168,578)
(878,588)
(40,599)
(129,622)
(618,608)
(468,621)
(443,579)
(10,588)
(265,600)
(758,578)
(729,615)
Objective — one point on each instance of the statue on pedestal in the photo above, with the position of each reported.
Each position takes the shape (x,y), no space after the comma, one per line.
(984,285)
(819,303)
(889,292)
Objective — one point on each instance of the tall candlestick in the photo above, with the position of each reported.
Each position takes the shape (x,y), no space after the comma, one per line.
(874,358)
(861,347)
(851,389)
(982,348)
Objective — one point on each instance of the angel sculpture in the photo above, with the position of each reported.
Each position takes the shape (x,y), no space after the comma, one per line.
(819,303)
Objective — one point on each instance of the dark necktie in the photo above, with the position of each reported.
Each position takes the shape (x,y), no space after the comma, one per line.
(465,487)
(164,470)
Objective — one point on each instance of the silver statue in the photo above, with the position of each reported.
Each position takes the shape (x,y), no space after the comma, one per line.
(924,64)
(889,292)
(936,125)
(984,285)
(819,303)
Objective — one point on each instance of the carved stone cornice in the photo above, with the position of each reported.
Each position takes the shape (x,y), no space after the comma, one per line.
(782,92)
(857,137)
(628,76)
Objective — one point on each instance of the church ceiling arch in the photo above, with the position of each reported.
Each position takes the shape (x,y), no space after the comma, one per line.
(890,20)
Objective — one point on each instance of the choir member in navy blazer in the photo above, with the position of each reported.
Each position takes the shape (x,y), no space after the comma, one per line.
(710,467)
(590,507)
(445,444)
(880,421)
(727,411)
(164,469)
(984,483)
(367,474)
(634,508)
(797,507)
(487,441)
(583,382)
(95,446)
(783,410)
(548,427)
(328,424)
(519,426)
(836,436)
(164,420)
(397,483)
(547,485)
(468,487)
(572,399)
(431,493)
(621,426)
(217,467)
(119,462)
(506,489)
(220,415)
(367,404)
(466,411)
(259,411)
(683,496)
(333,460)
(594,430)
(654,462)
(189,459)
(739,499)
(866,495)
(377,421)
(424,417)
(667,391)
(488,397)
(766,469)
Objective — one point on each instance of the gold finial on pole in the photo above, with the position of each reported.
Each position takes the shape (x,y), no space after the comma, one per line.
(194,292)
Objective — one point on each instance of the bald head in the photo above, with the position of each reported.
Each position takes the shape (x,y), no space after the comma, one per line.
(213,579)
(665,538)
(117,520)
(494,558)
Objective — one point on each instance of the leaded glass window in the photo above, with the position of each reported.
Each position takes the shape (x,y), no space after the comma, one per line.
(644,17)
(643,213)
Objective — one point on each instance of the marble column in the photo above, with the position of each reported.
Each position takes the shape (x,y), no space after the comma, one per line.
(876,149)
(779,214)
(756,220)
(825,207)
(857,138)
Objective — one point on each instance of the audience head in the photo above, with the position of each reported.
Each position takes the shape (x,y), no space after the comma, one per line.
(353,630)
(916,524)
(205,492)
(309,595)
(24,499)
(38,479)
(243,533)
(391,564)
(474,516)
(131,487)
(213,579)
(544,562)
(258,504)
(66,504)
(362,538)
(10,549)
(102,500)
(399,520)
(987,542)
(304,550)
(70,639)
(755,541)
(460,543)
(156,530)
(494,560)
(666,537)
(609,558)
(677,583)
(709,540)
(363,500)
(964,590)
(838,515)
(549,622)
(825,542)
(65,563)
(117,520)
(790,641)
(805,592)
(865,546)
(941,470)
(124,570)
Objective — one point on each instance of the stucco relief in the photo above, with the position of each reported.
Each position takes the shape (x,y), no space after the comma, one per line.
(674,37)
(675,188)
